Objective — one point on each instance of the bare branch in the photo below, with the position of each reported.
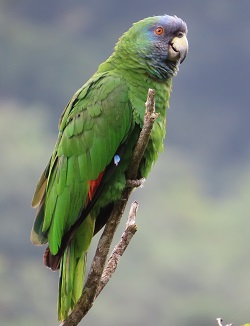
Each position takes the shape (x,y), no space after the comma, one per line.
(219,321)
(120,248)
(89,291)
(149,118)
(94,283)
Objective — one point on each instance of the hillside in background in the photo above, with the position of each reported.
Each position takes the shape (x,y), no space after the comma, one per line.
(189,263)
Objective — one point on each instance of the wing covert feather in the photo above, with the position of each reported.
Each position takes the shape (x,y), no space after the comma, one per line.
(95,123)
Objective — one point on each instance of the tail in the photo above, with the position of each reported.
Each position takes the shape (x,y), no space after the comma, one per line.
(73,267)
(72,271)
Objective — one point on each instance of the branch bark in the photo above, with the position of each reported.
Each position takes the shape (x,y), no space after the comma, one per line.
(96,278)
(119,249)
(149,118)
(219,322)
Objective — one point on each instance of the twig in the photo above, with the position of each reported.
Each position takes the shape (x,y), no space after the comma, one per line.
(219,321)
(149,118)
(119,249)
(92,284)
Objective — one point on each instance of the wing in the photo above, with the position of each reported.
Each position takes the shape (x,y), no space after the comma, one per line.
(93,126)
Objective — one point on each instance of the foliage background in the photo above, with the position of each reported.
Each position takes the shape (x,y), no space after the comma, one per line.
(189,263)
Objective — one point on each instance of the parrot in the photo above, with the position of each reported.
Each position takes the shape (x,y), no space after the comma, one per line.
(98,131)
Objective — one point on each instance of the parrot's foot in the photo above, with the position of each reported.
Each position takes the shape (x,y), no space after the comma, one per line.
(135,183)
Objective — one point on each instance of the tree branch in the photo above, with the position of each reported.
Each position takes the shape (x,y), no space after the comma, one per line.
(219,322)
(149,118)
(96,278)
(119,249)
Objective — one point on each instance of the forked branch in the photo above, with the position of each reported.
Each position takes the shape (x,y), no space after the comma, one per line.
(98,277)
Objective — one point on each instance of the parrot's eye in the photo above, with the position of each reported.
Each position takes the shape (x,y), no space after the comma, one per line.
(159,30)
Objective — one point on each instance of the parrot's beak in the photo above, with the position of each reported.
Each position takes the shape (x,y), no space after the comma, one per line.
(178,48)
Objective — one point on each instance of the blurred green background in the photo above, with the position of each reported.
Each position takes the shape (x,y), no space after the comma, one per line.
(189,262)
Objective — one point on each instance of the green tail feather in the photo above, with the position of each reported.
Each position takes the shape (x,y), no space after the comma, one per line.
(72,269)
(71,281)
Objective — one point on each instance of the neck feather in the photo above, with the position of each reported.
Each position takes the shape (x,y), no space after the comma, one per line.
(127,58)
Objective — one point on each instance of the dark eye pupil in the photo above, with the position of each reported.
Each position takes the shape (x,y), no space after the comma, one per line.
(159,30)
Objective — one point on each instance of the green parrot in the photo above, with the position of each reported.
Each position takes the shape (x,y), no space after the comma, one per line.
(98,131)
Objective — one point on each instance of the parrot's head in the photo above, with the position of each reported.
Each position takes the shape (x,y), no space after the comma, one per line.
(159,44)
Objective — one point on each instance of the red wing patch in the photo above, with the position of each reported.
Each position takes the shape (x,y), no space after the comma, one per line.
(93,185)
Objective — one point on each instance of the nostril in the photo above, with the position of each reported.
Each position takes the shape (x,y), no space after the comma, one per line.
(180,34)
